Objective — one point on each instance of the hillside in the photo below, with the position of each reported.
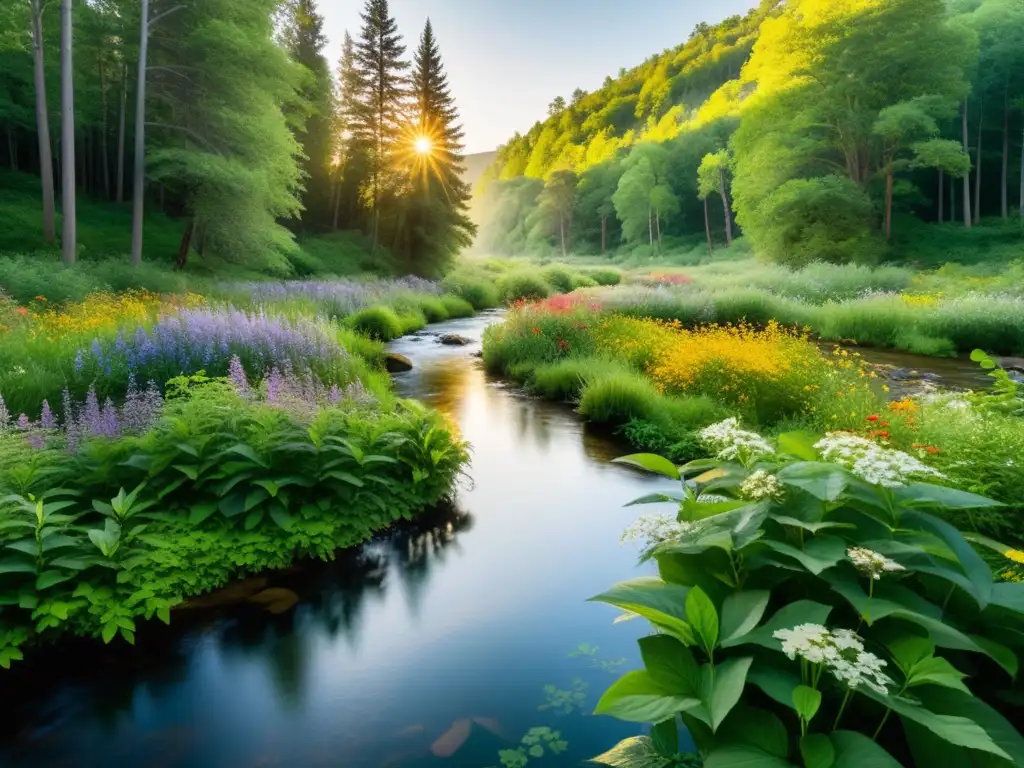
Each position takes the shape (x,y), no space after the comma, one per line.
(476,165)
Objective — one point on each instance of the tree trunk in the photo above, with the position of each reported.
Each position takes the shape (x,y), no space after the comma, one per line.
(105,159)
(12,148)
(707,228)
(1004,203)
(120,134)
(725,205)
(888,205)
(186,241)
(967,176)
(337,208)
(942,177)
(650,225)
(1022,177)
(977,163)
(69,239)
(139,169)
(604,233)
(657,227)
(561,227)
(43,125)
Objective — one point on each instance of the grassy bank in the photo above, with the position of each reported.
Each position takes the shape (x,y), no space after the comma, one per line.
(659,382)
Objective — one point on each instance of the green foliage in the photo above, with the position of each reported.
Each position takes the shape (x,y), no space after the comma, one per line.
(766,606)
(457,306)
(522,284)
(604,276)
(473,286)
(618,397)
(381,323)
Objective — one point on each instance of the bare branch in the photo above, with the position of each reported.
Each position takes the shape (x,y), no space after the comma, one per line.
(165,13)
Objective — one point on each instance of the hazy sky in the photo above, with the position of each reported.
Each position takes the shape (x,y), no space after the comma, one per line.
(507,59)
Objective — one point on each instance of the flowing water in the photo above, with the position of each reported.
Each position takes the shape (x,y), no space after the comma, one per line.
(430,646)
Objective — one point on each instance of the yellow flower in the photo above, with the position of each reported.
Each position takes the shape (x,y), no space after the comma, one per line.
(1014,554)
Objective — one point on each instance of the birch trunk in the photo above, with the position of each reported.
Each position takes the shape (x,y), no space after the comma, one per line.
(139,169)
(707,228)
(120,134)
(967,176)
(1004,203)
(104,157)
(69,235)
(977,163)
(43,125)
(725,205)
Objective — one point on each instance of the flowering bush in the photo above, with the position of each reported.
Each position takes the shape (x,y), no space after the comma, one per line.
(818,597)
(340,298)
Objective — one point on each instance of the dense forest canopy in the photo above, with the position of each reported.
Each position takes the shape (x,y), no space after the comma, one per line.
(241,128)
(824,129)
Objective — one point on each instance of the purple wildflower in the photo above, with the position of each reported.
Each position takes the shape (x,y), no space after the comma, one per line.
(23,422)
(37,441)
(46,420)
(5,415)
(141,409)
(236,372)
(79,361)
(108,423)
(91,420)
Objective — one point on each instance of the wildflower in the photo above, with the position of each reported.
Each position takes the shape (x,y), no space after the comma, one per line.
(872,462)
(5,415)
(536,330)
(23,422)
(840,651)
(730,442)
(871,563)
(655,529)
(18,370)
(1015,554)
(873,417)
(238,379)
(761,485)
(46,420)
(712,498)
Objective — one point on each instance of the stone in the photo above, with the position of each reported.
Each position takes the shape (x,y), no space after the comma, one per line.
(455,340)
(396,363)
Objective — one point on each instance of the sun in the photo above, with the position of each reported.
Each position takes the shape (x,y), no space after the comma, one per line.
(423,145)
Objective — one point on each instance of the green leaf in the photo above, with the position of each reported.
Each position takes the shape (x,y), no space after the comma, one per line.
(658,498)
(855,750)
(254,498)
(799,444)
(109,630)
(164,614)
(536,751)
(926,495)
(950,702)
(48,579)
(757,728)
(665,737)
(721,688)
(232,505)
(743,756)
(281,517)
(634,752)
(17,566)
(999,653)
(806,702)
(655,600)
(188,471)
(794,614)
(247,451)
(741,611)
(908,650)
(818,751)
(936,670)
(954,729)
(637,698)
(652,463)
(201,512)
(820,479)
(819,554)
(345,477)
(1009,595)
(670,664)
(253,519)
(702,617)
(777,683)
(974,567)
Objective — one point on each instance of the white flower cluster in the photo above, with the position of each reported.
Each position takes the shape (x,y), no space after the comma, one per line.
(761,485)
(712,498)
(730,442)
(871,563)
(841,651)
(870,461)
(655,529)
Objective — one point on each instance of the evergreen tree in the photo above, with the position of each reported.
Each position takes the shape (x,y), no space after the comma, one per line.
(377,110)
(440,223)
(304,39)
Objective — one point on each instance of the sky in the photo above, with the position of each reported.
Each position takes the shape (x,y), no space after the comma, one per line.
(508,59)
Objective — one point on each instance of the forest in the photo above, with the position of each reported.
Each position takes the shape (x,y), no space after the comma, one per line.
(821,130)
(226,117)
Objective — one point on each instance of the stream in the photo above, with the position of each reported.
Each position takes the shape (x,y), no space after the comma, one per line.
(429,646)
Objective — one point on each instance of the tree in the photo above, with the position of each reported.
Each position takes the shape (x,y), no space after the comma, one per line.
(554,208)
(594,197)
(69,238)
(711,177)
(303,37)
(556,107)
(377,117)
(43,122)
(644,192)
(139,165)
(441,225)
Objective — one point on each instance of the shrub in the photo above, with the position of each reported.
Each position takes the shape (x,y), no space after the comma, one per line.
(411,320)
(379,323)
(920,344)
(564,379)
(604,276)
(818,605)
(581,281)
(433,308)
(618,396)
(456,306)
(522,284)
(478,289)
(559,277)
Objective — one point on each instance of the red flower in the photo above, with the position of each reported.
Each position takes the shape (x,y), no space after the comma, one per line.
(536,330)
(873,418)
(563,345)
(22,311)
(885,423)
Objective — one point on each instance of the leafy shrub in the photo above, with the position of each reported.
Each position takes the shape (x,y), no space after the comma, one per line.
(581,281)
(919,344)
(559,277)
(564,379)
(808,607)
(433,308)
(522,284)
(604,276)
(411,320)
(475,287)
(618,396)
(456,306)
(379,323)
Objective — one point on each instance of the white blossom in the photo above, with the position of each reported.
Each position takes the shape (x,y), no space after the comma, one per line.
(840,651)
(730,442)
(655,529)
(712,498)
(761,485)
(871,563)
(870,461)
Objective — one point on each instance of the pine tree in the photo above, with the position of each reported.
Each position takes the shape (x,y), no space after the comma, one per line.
(350,155)
(303,37)
(441,203)
(377,111)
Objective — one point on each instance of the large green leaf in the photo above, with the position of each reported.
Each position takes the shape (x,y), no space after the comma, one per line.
(721,688)
(806,702)
(665,737)
(655,600)
(756,727)
(974,567)
(672,497)
(936,670)
(778,683)
(652,463)
(670,664)
(636,697)
(819,554)
(743,756)
(799,444)
(952,728)
(817,751)
(950,702)
(635,752)
(822,480)
(1003,656)
(799,612)
(855,750)
(703,617)
(741,611)
(1009,595)
(941,497)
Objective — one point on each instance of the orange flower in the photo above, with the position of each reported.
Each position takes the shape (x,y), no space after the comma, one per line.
(873,417)
(536,330)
